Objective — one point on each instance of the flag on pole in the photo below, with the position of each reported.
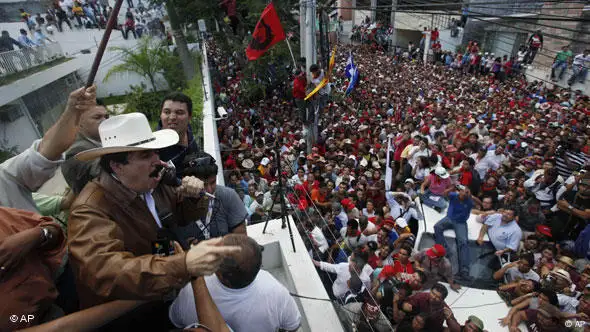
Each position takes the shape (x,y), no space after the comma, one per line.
(326,79)
(268,32)
(351,71)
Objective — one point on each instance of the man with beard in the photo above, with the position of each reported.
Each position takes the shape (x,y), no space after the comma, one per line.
(176,112)
(118,235)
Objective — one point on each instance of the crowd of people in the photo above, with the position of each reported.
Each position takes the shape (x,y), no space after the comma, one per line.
(147,239)
(94,15)
(510,154)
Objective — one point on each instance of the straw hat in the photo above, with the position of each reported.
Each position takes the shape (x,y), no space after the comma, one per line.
(567,261)
(126,133)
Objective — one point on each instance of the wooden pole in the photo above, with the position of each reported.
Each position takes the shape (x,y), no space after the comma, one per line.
(103,43)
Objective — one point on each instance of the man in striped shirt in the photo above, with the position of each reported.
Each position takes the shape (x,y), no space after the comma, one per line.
(570,158)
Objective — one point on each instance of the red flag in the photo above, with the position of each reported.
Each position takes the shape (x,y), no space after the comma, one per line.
(267,33)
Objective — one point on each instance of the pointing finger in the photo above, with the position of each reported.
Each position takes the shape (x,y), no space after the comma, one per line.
(225,250)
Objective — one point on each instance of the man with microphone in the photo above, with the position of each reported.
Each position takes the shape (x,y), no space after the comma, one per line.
(119,237)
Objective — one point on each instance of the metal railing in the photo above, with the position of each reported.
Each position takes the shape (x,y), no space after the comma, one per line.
(15,61)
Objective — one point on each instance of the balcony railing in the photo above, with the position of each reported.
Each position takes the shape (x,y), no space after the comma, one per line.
(12,62)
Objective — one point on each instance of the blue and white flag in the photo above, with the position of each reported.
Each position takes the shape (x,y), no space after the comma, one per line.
(351,71)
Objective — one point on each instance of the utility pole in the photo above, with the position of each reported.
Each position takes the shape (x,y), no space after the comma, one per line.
(310,59)
(373,10)
(302,18)
(353,10)
(310,40)
(426,46)
(394,31)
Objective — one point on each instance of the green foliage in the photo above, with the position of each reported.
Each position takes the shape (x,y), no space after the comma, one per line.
(139,100)
(195,92)
(145,60)
(172,70)
(149,59)
(7,153)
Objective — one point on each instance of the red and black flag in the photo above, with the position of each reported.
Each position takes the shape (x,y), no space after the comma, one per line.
(267,33)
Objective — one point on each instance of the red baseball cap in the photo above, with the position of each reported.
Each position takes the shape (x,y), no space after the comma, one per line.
(347,203)
(545,230)
(437,250)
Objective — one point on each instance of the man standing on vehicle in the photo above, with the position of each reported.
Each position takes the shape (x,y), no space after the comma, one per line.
(460,205)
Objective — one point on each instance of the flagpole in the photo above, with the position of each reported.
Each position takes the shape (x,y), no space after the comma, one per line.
(291,51)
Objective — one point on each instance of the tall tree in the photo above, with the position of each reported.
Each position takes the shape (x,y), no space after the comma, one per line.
(145,60)
(188,62)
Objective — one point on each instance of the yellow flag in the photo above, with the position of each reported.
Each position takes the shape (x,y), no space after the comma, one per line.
(317,88)
(327,78)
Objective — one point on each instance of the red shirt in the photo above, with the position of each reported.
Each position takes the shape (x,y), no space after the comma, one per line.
(465,178)
(400,146)
(434,35)
(373,261)
(299,87)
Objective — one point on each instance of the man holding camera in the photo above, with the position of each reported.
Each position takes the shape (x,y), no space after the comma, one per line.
(460,204)
(123,217)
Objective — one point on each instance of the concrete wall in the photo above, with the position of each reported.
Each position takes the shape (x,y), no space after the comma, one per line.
(450,43)
(19,133)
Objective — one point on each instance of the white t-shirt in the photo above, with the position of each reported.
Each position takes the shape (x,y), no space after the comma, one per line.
(264,305)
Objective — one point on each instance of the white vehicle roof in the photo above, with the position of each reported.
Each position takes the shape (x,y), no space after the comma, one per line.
(483,303)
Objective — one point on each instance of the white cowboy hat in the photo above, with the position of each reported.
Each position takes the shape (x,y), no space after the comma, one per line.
(248,164)
(128,132)
(441,172)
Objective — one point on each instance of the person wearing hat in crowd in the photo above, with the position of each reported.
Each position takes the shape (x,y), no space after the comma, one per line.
(264,168)
(435,265)
(567,263)
(118,233)
(460,204)
(176,111)
(438,185)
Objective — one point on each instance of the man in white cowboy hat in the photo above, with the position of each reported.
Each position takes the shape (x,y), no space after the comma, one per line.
(29,170)
(123,217)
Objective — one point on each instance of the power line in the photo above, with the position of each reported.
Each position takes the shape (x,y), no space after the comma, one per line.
(546,17)
(545,25)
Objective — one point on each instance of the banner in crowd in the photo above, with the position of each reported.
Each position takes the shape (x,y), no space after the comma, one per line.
(351,71)
(326,79)
(268,32)
(388,170)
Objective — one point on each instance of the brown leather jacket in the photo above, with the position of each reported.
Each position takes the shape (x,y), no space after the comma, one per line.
(110,236)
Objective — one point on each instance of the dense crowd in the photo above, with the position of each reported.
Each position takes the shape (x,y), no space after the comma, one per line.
(470,143)
(94,15)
